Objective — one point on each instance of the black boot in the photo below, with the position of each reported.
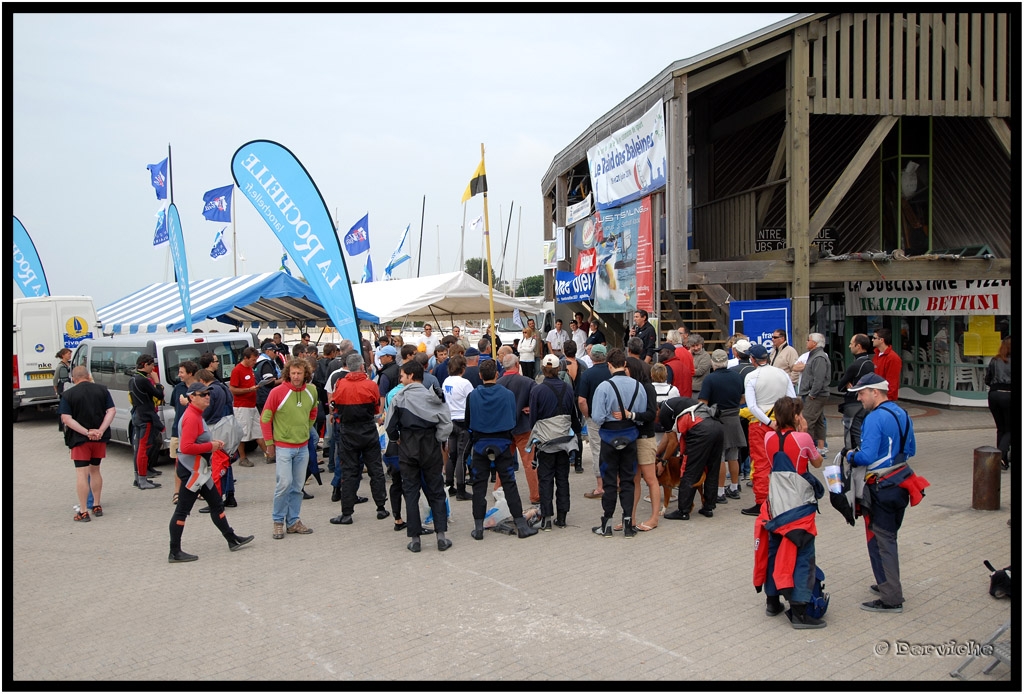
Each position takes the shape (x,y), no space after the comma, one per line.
(605,529)
(235,542)
(628,530)
(799,618)
(336,494)
(178,557)
(461,494)
(773,606)
(523,528)
(478,531)
(560,519)
(229,500)
(545,524)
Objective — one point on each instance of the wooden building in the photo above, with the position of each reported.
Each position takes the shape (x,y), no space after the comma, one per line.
(856,163)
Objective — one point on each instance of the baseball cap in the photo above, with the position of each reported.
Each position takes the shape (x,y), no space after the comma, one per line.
(871,381)
(472,352)
(667,345)
(198,387)
(549,360)
(741,346)
(599,349)
(269,344)
(386,351)
(758,352)
(719,356)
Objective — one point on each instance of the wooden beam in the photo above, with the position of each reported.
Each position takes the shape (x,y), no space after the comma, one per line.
(849,176)
(1002,132)
(676,204)
(708,76)
(764,201)
(798,155)
(825,271)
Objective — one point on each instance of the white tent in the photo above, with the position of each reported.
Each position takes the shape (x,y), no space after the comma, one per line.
(434,297)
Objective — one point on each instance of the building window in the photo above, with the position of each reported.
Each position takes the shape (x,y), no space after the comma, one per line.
(906,183)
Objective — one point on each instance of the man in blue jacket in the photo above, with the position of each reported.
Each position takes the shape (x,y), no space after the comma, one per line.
(886,442)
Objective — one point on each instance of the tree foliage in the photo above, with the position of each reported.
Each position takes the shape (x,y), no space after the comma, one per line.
(531,286)
(474,267)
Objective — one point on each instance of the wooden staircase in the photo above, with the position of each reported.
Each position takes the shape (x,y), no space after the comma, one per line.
(692,308)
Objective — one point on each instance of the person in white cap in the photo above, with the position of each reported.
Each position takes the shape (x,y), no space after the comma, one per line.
(886,442)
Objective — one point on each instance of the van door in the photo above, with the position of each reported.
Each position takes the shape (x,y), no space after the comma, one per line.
(35,349)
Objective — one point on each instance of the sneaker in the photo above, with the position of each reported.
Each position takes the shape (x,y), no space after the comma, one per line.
(749,482)
(732,493)
(545,525)
(706,512)
(874,589)
(298,528)
(278,531)
(245,462)
(721,499)
(879,606)
(754,510)
(180,557)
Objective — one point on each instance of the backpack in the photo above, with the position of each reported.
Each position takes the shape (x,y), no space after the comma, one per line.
(619,433)
(818,604)
(1000,585)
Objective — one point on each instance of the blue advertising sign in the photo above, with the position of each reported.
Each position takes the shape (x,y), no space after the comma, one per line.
(177,241)
(28,269)
(758,319)
(571,287)
(282,191)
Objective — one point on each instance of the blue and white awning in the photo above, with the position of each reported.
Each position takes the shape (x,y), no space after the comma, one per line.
(268,300)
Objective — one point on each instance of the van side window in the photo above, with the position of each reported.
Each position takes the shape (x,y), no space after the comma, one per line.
(113,366)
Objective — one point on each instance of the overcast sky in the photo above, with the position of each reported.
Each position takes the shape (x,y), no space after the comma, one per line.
(381,109)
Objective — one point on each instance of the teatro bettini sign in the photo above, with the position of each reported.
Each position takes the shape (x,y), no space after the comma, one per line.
(928,297)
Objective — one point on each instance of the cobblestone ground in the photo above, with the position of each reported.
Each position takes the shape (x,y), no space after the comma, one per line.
(98,601)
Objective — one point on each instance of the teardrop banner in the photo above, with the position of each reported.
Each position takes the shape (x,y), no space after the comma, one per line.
(28,269)
(177,241)
(283,192)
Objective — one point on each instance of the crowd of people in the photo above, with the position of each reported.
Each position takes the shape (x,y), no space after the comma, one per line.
(451,421)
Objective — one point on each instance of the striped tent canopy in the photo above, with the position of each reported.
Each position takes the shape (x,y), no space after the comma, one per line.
(268,300)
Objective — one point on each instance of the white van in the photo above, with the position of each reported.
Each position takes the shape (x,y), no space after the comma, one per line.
(43,326)
(111,361)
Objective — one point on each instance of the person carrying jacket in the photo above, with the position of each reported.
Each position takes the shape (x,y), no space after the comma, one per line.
(886,442)
(195,445)
(555,426)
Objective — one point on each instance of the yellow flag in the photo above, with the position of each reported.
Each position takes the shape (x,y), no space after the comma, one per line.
(477,184)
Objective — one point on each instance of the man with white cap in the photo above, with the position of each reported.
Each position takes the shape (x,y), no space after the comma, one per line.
(762,387)
(886,442)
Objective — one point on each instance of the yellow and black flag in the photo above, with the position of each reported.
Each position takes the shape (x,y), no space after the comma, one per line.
(478,184)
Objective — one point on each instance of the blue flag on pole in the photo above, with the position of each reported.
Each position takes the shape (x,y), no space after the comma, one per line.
(160,234)
(177,240)
(220,248)
(158,177)
(217,204)
(284,194)
(396,257)
(28,269)
(368,270)
(357,240)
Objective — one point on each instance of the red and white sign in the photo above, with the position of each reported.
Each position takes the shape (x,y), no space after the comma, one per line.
(586,261)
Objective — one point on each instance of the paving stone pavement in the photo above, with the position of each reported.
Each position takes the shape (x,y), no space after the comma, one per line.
(98,601)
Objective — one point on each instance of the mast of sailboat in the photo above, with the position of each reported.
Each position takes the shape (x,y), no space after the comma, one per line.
(419,253)
(515,267)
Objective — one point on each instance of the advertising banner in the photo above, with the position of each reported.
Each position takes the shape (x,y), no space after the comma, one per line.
(632,162)
(615,289)
(977,297)
(759,319)
(571,287)
(28,269)
(585,233)
(645,260)
(574,213)
(177,241)
(282,191)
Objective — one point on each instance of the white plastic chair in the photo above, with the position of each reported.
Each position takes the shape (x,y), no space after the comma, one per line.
(925,372)
(908,368)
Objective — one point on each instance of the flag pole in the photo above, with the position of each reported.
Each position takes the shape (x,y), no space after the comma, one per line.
(490,273)
(234,239)
(462,240)
(419,253)
(515,267)
(170,187)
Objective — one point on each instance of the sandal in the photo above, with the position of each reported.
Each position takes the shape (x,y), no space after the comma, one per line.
(97,510)
(594,495)
(83,516)
(174,498)
(643,527)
